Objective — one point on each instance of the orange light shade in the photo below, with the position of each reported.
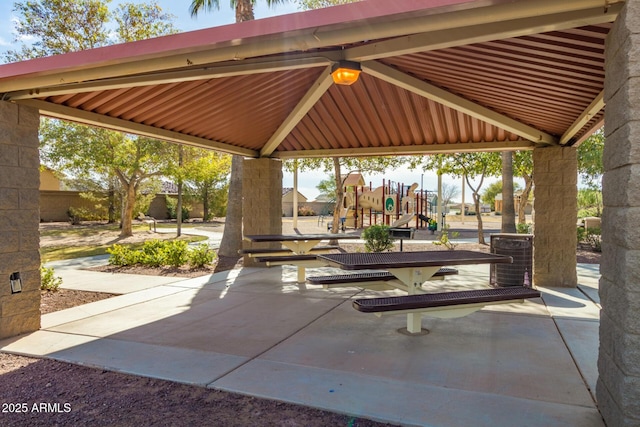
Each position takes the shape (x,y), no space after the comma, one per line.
(345,72)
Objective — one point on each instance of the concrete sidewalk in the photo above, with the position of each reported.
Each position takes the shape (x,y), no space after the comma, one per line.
(254,331)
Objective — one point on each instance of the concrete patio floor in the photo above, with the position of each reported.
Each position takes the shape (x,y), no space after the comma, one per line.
(255,331)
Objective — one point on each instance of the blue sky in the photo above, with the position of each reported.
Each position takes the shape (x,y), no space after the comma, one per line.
(307,181)
(178,8)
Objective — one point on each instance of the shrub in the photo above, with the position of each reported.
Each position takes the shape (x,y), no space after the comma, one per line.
(581,234)
(444,238)
(172,208)
(157,253)
(153,253)
(523,228)
(75,215)
(123,256)
(377,238)
(174,253)
(48,281)
(200,256)
(594,238)
(305,211)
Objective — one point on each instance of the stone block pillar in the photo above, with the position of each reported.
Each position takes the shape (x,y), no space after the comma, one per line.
(555,172)
(19,219)
(262,201)
(618,388)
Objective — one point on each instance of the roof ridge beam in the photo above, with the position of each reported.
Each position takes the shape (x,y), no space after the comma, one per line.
(92,119)
(444,97)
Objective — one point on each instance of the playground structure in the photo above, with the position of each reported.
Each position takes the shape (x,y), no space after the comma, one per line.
(393,204)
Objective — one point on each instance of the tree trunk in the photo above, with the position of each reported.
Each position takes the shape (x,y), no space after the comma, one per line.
(337,210)
(244,10)
(179,211)
(524,198)
(127,211)
(508,208)
(179,204)
(205,205)
(111,197)
(476,202)
(232,236)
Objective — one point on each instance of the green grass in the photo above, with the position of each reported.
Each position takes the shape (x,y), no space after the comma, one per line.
(55,253)
(86,230)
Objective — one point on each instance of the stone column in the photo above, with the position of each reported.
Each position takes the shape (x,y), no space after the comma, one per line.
(618,388)
(19,219)
(262,200)
(555,215)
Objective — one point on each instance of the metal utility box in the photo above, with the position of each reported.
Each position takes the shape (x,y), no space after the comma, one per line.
(520,248)
(402,233)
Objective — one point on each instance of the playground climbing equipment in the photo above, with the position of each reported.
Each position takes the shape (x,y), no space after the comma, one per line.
(393,204)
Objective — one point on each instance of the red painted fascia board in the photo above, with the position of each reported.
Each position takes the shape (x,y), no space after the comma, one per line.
(238,34)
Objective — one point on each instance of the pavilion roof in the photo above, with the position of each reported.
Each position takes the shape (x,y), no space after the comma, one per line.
(438,76)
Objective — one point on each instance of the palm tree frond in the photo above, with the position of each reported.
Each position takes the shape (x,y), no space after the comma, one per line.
(207,5)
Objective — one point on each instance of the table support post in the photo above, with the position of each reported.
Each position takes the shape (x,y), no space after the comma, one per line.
(301,275)
(414,323)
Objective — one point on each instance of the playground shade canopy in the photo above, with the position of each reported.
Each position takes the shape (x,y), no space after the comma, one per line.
(438,76)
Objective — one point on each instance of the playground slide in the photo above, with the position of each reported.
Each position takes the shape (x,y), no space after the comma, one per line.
(403,220)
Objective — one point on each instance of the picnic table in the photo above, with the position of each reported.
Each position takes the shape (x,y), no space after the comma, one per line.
(411,269)
(301,247)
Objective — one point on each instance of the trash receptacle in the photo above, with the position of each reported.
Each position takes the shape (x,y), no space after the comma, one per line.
(520,248)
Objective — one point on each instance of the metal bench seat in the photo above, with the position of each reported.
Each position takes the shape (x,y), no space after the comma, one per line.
(367,277)
(286,258)
(283,251)
(423,302)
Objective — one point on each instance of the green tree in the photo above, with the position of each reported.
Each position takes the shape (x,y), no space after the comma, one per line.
(470,166)
(206,175)
(523,168)
(589,202)
(492,190)
(131,159)
(590,160)
(61,26)
(490,193)
(139,21)
(232,235)
(327,188)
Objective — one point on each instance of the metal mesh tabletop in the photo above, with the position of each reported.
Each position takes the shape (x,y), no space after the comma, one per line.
(386,260)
